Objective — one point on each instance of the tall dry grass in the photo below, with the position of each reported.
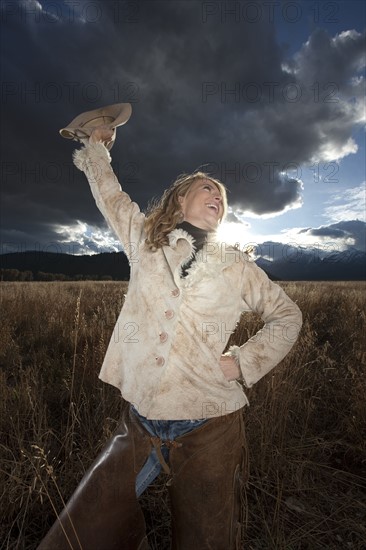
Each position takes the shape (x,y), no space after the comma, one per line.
(305,426)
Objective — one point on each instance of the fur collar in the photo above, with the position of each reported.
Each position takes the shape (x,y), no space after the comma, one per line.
(177,234)
(210,260)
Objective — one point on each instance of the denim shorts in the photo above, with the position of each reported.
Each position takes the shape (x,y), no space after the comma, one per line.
(165,430)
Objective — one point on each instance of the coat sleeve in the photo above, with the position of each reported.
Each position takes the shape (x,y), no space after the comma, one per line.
(282,318)
(122,215)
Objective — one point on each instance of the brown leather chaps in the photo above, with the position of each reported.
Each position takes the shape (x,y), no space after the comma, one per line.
(205,488)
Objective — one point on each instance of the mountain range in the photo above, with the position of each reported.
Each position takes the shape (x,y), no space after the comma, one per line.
(302,264)
(308,265)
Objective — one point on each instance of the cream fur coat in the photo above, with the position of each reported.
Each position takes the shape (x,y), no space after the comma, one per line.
(165,349)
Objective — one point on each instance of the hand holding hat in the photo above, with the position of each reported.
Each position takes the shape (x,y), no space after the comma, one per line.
(103,133)
(99,124)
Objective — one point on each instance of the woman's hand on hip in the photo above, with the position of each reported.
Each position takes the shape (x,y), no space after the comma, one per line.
(230,367)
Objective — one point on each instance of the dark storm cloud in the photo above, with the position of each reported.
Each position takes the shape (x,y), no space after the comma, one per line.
(206,92)
(353,230)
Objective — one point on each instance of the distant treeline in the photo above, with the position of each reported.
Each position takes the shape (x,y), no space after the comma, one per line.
(47,266)
(16,275)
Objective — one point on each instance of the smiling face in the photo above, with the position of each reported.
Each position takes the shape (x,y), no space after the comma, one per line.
(202,205)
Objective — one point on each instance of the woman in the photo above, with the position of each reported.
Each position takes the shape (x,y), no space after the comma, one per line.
(186,293)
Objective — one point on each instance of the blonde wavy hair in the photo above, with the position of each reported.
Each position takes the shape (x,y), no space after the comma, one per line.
(163,215)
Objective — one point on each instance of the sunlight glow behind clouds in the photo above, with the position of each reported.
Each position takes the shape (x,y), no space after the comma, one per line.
(87,239)
(334,151)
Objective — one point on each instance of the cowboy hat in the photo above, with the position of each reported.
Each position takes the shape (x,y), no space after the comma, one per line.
(82,126)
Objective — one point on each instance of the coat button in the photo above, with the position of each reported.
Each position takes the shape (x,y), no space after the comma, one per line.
(163,337)
(160,361)
(175,292)
(169,314)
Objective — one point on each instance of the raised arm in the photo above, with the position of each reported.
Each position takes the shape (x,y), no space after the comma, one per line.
(122,215)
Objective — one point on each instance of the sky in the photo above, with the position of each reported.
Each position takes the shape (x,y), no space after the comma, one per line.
(267,96)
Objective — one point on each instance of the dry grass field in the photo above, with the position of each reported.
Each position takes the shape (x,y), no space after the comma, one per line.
(306,424)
